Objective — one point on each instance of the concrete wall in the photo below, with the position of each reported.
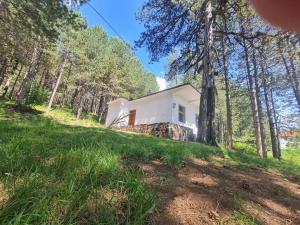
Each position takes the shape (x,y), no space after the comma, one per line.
(117,109)
(160,108)
(190,113)
(153,109)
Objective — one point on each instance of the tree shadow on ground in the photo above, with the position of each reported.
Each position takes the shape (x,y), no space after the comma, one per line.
(208,193)
(35,147)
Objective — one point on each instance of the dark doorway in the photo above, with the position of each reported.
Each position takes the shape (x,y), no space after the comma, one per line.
(132,114)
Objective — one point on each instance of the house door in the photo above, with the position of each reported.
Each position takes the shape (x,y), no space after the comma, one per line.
(131,120)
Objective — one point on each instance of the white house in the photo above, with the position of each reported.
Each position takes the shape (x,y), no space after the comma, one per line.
(171,113)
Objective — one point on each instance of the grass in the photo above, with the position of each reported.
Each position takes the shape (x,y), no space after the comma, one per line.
(66,116)
(241,218)
(56,171)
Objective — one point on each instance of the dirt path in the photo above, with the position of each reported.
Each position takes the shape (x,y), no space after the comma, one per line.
(210,193)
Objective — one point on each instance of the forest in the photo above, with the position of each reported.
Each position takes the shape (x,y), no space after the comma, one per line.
(60,61)
(59,165)
(247,71)
(53,57)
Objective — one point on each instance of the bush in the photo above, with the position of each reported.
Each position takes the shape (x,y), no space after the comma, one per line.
(37,96)
(243,147)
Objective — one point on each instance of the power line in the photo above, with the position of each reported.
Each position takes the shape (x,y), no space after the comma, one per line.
(111,27)
(106,21)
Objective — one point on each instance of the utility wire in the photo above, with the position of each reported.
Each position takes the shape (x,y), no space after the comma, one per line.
(106,21)
(112,28)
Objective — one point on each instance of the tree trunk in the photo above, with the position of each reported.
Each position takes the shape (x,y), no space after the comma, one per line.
(6,86)
(74,96)
(291,76)
(66,86)
(254,104)
(15,83)
(3,70)
(3,4)
(276,122)
(295,79)
(228,97)
(93,101)
(101,108)
(259,107)
(206,131)
(81,104)
(58,79)
(26,84)
(271,116)
(41,82)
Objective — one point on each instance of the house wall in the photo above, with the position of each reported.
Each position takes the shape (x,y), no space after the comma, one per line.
(117,109)
(190,113)
(153,109)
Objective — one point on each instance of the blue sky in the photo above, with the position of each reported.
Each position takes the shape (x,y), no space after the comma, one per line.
(121,14)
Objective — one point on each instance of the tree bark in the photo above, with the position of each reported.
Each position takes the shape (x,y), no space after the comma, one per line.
(93,101)
(41,82)
(81,105)
(63,102)
(6,86)
(276,122)
(26,84)
(228,97)
(101,108)
(3,4)
(3,70)
(271,116)
(254,104)
(15,83)
(58,79)
(295,79)
(291,75)
(74,96)
(259,106)
(206,131)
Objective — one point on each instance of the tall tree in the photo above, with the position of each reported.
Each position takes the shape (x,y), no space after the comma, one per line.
(290,71)
(26,84)
(58,80)
(224,55)
(187,25)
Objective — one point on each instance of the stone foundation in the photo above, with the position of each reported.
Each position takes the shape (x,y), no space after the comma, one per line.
(165,130)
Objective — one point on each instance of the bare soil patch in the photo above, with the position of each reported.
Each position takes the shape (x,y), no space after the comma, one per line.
(210,193)
(3,195)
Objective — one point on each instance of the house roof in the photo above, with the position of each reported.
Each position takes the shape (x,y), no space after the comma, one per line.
(287,134)
(159,92)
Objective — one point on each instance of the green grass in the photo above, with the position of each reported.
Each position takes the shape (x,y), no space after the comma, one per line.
(66,116)
(241,218)
(55,173)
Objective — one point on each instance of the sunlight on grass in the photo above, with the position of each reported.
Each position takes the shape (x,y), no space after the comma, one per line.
(61,174)
(241,218)
(66,116)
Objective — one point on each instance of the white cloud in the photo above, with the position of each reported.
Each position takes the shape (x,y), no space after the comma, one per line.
(162,83)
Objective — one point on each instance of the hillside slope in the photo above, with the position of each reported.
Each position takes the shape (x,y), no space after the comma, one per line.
(54,170)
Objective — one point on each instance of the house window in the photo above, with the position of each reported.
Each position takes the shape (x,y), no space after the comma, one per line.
(197,120)
(181,113)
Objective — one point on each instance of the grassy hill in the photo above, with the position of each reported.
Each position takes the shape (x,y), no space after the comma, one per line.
(56,170)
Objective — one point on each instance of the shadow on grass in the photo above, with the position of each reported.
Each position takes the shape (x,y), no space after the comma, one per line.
(51,170)
(250,160)
(251,196)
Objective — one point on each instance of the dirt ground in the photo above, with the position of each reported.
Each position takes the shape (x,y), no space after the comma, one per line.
(210,193)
